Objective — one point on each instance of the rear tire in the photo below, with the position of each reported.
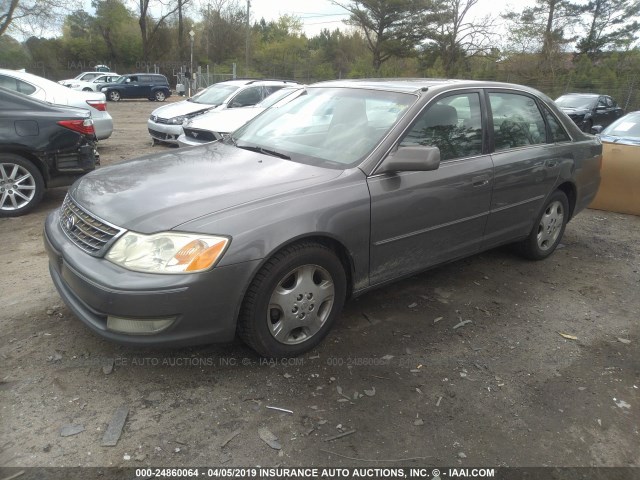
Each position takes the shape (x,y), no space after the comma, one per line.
(21,185)
(293,301)
(548,229)
(160,96)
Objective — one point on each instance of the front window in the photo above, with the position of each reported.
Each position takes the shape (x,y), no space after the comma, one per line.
(214,95)
(333,127)
(453,124)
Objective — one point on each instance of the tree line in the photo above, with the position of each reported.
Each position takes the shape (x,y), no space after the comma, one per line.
(551,44)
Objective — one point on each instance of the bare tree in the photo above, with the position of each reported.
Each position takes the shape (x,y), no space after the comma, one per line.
(149,26)
(32,16)
(456,36)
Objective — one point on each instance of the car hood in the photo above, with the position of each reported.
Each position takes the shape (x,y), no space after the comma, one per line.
(180,108)
(159,192)
(224,121)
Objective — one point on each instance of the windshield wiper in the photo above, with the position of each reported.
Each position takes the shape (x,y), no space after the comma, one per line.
(264,151)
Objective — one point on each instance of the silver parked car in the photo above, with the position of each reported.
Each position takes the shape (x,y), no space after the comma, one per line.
(165,123)
(212,126)
(349,186)
(52,92)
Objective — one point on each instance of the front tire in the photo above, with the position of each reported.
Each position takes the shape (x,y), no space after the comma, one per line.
(293,301)
(114,96)
(21,185)
(548,229)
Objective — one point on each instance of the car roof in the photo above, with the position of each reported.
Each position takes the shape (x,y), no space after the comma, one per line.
(415,85)
(258,81)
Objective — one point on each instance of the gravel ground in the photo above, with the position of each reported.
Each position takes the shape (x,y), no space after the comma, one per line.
(489,361)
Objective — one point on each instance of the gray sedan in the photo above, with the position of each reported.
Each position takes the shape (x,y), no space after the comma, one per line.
(350,186)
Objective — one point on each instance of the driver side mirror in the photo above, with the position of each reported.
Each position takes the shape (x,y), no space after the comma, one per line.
(596,129)
(414,158)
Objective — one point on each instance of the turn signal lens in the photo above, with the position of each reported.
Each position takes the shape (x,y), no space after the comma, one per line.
(168,252)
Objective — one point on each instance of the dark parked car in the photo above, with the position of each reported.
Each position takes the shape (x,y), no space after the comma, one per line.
(349,186)
(41,146)
(138,85)
(590,109)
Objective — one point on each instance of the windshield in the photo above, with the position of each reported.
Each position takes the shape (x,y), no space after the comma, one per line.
(626,127)
(214,95)
(577,101)
(333,127)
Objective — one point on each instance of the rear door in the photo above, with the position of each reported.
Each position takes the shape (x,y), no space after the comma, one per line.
(419,219)
(526,165)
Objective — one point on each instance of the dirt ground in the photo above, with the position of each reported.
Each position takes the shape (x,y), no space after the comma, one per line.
(543,368)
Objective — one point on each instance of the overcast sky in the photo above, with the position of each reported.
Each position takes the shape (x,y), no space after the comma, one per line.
(319,14)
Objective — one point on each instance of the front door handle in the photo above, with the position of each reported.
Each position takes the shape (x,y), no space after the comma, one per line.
(480,180)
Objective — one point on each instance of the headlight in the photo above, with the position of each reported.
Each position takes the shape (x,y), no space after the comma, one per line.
(74,85)
(177,120)
(167,252)
(104,89)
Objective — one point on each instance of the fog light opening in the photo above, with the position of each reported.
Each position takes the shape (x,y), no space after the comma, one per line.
(138,326)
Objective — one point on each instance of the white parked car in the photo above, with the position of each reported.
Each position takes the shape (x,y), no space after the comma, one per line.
(165,123)
(53,92)
(91,85)
(211,126)
(84,77)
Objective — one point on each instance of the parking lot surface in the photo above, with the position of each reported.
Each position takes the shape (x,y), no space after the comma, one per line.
(488,361)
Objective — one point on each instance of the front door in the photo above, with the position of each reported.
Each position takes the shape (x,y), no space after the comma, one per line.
(420,219)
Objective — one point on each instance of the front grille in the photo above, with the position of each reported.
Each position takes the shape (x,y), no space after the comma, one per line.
(200,135)
(164,121)
(86,231)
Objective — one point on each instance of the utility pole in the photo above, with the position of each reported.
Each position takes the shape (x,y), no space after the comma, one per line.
(246,43)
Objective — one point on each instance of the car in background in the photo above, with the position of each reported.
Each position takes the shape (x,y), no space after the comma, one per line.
(43,89)
(152,86)
(589,109)
(91,85)
(620,187)
(165,123)
(81,77)
(41,146)
(214,125)
(349,186)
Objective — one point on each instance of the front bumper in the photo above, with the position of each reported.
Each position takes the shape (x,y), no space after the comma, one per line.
(164,132)
(204,305)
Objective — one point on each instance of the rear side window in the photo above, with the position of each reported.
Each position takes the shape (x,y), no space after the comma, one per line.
(558,133)
(16,85)
(453,124)
(517,121)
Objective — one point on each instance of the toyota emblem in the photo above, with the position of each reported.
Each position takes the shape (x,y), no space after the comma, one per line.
(70,222)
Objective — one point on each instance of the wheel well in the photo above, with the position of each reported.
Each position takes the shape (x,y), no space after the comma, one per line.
(569,190)
(338,248)
(33,159)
